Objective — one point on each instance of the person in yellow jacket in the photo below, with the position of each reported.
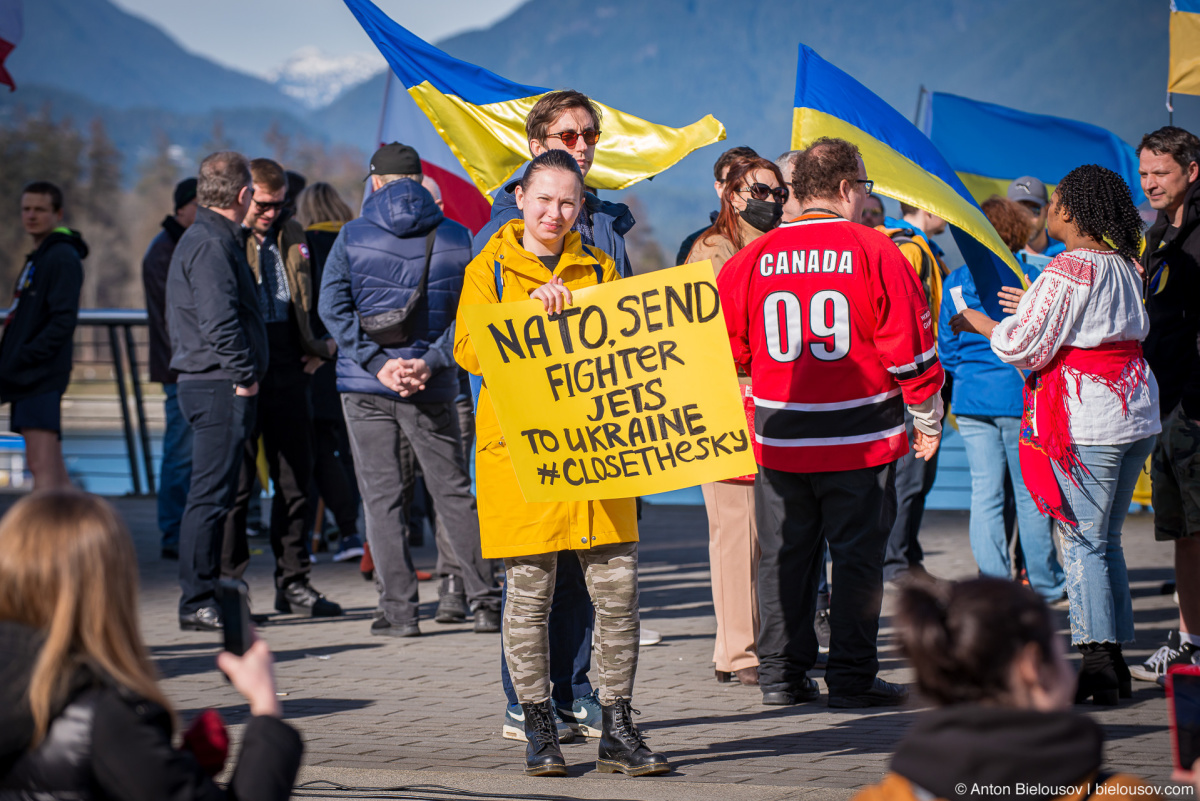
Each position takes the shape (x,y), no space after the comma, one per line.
(987,655)
(540,257)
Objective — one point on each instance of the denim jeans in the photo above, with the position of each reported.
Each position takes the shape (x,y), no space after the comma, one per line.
(175,472)
(991,444)
(1101,609)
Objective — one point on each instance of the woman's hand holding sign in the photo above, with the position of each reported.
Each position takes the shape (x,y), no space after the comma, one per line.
(554,296)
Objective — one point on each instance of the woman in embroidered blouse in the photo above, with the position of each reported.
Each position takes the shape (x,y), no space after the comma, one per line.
(1091,406)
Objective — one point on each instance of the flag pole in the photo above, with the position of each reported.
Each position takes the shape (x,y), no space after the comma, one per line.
(387,90)
(917,113)
(1170,110)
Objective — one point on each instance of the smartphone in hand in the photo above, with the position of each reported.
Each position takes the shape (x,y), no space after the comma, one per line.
(235,613)
(1183,703)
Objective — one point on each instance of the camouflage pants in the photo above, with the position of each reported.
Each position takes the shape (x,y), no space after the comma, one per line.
(611,575)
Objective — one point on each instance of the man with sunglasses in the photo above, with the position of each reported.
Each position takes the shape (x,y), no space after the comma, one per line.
(277,251)
(566,120)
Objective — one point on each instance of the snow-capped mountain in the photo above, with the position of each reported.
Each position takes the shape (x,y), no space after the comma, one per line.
(316,78)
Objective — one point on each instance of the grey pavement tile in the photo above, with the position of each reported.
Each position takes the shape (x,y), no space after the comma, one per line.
(432,706)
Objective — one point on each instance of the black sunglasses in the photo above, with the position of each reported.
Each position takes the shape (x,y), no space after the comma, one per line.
(870,185)
(268,205)
(760,191)
(590,137)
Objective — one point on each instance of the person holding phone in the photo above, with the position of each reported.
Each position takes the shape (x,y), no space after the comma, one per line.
(1091,406)
(541,257)
(987,656)
(81,712)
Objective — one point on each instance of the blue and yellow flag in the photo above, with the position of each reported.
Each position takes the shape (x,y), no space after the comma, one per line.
(903,163)
(481,115)
(989,146)
(1183,74)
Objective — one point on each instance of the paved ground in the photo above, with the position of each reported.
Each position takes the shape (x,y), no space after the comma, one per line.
(422,712)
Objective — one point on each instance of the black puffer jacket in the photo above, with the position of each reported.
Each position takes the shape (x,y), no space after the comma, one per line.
(1173,303)
(36,352)
(106,743)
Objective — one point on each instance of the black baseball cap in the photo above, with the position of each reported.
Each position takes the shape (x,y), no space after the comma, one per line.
(395,159)
(185,192)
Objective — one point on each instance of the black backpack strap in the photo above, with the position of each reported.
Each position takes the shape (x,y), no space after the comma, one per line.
(429,239)
(599,270)
(901,237)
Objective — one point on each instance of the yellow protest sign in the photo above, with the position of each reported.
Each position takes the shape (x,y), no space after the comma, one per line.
(631,390)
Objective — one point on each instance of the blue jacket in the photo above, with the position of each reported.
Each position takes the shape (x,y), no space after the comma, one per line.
(610,223)
(374,266)
(983,386)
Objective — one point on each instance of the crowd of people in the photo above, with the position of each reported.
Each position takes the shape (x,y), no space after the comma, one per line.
(288,331)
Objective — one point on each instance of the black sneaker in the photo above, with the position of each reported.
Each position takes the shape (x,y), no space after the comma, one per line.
(803,693)
(382,627)
(452,601)
(881,693)
(1175,652)
(301,595)
(487,621)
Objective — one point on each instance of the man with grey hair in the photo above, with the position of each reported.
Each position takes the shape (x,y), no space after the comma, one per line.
(219,349)
(791,206)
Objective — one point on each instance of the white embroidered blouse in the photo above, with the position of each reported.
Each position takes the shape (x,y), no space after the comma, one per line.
(1085,298)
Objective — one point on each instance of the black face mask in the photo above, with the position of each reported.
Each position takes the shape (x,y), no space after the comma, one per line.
(762,214)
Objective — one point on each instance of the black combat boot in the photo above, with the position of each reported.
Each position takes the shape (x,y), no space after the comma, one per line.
(622,749)
(1097,676)
(543,757)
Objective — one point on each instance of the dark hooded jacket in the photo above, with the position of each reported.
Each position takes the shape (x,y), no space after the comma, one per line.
(610,223)
(216,326)
(1172,271)
(970,752)
(36,351)
(107,743)
(155,265)
(374,266)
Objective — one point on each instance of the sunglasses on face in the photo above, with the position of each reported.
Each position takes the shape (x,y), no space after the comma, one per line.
(269,206)
(763,192)
(590,137)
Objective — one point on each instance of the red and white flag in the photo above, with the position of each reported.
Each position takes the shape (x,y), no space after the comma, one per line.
(403,121)
(12,24)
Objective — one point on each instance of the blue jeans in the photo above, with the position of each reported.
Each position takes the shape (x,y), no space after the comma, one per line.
(1097,582)
(991,444)
(570,630)
(175,473)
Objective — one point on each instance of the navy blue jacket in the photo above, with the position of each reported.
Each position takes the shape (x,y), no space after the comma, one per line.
(374,266)
(610,223)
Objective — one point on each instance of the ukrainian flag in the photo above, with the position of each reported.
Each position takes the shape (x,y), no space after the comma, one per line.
(1183,74)
(481,115)
(989,146)
(903,163)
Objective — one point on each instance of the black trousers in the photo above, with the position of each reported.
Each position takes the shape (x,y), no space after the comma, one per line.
(285,423)
(797,513)
(914,480)
(221,421)
(333,476)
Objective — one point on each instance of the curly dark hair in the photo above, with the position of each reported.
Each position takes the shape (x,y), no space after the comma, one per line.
(1097,202)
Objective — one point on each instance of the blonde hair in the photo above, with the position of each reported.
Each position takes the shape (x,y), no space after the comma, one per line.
(321,203)
(69,570)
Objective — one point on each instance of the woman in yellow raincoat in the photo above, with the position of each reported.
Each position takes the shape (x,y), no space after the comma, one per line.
(540,257)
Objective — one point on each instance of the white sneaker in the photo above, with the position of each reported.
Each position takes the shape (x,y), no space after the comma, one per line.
(649,637)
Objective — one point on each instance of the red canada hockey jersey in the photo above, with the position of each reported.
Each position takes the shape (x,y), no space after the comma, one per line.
(833,327)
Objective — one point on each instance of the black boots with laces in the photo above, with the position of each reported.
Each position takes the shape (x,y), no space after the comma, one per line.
(543,757)
(622,748)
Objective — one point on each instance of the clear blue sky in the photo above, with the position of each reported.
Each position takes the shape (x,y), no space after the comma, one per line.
(257,35)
